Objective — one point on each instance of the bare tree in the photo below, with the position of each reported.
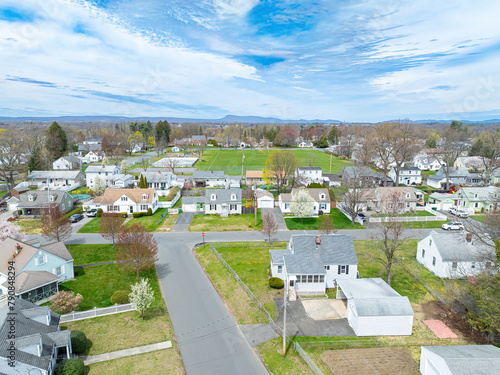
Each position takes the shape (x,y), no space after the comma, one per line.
(390,234)
(12,156)
(487,148)
(355,193)
(137,249)
(326,225)
(269,226)
(172,163)
(382,144)
(8,229)
(454,144)
(110,225)
(281,165)
(405,147)
(55,224)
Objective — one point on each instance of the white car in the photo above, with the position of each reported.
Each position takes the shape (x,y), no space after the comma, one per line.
(453,226)
(452,211)
(462,214)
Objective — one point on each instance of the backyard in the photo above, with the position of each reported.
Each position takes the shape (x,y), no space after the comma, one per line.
(216,223)
(30,226)
(149,222)
(230,161)
(340,221)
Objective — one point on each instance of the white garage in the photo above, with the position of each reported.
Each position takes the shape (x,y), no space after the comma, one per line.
(265,199)
(374,308)
(460,359)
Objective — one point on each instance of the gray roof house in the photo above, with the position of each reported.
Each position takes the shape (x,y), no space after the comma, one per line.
(209,178)
(365,175)
(35,202)
(375,309)
(67,162)
(55,179)
(313,263)
(215,201)
(160,180)
(38,338)
(458,176)
(460,360)
(39,268)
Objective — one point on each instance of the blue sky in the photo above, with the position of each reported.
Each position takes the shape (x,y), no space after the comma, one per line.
(291,59)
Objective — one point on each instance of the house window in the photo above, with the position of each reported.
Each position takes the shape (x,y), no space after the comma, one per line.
(213,207)
(322,206)
(212,197)
(124,199)
(327,268)
(473,265)
(454,266)
(316,278)
(144,196)
(63,207)
(476,205)
(433,261)
(322,196)
(342,269)
(144,207)
(232,207)
(407,204)
(41,259)
(423,253)
(430,242)
(407,195)
(280,268)
(233,197)
(309,278)
(322,279)
(58,271)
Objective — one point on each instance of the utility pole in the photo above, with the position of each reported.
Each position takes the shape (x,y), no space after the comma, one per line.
(255,202)
(284,317)
(242,163)
(331,163)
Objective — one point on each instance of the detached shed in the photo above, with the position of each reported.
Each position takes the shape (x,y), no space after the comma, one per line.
(265,199)
(375,309)
(460,360)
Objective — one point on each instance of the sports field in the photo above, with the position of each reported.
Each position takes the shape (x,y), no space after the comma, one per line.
(230,161)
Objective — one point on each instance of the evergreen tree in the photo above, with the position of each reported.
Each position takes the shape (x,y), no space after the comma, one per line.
(323,143)
(332,135)
(141,182)
(57,142)
(35,161)
(162,131)
(145,182)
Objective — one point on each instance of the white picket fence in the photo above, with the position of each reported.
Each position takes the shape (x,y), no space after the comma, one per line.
(436,216)
(171,203)
(95,312)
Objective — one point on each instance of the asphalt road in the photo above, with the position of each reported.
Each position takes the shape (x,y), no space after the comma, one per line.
(209,339)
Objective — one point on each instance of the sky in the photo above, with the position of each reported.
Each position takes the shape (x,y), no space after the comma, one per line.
(342,60)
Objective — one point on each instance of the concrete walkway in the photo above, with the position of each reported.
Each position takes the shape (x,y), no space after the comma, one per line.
(87,360)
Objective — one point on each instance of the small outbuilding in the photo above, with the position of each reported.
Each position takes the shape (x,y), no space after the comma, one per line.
(375,309)
(460,360)
(264,199)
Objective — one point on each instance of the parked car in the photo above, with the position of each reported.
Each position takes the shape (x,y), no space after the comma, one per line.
(462,214)
(452,211)
(75,218)
(452,225)
(92,212)
(362,216)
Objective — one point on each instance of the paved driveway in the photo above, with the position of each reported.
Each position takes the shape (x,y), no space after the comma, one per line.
(183,221)
(278,216)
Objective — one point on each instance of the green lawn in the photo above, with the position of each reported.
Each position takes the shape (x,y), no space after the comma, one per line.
(230,160)
(479,218)
(3,193)
(149,222)
(402,281)
(429,173)
(30,226)
(215,223)
(87,254)
(91,227)
(340,221)
(426,224)
(426,189)
(271,353)
(410,214)
(98,283)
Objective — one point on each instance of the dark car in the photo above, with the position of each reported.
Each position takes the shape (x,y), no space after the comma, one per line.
(362,216)
(75,218)
(92,212)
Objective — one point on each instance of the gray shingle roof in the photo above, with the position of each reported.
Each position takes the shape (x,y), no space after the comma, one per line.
(157,177)
(222,196)
(469,359)
(208,174)
(395,306)
(192,200)
(309,168)
(334,249)
(29,280)
(302,263)
(454,247)
(101,168)
(277,255)
(62,174)
(454,173)
(26,328)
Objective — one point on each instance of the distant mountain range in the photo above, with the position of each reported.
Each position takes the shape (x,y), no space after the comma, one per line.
(226,119)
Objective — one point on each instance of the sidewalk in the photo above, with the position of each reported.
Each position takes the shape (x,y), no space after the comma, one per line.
(87,360)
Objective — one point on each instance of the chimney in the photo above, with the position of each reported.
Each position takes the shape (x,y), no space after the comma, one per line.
(18,248)
(318,239)
(468,237)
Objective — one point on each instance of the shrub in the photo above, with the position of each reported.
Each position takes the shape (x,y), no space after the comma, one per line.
(11,219)
(65,301)
(99,212)
(78,210)
(124,214)
(320,212)
(137,214)
(73,366)
(78,342)
(276,283)
(150,211)
(120,297)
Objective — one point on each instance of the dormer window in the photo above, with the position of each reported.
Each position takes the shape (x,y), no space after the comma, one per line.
(322,196)
(212,197)
(407,195)
(31,198)
(475,195)
(233,197)
(124,199)
(144,196)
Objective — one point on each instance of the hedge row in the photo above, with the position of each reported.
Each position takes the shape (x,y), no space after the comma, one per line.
(78,210)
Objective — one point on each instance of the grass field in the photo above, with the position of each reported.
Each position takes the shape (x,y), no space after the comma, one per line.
(230,160)
(33,226)
(340,221)
(149,222)
(91,227)
(426,224)
(215,223)
(87,254)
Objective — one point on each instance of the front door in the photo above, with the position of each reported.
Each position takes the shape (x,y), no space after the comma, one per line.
(131,209)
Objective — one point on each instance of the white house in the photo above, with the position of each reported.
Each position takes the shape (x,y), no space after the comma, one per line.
(320,200)
(426,163)
(223,202)
(264,199)
(454,255)
(331,180)
(104,172)
(305,144)
(94,156)
(176,149)
(460,360)
(310,264)
(209,178)
(407,176)
(127,200)
(159,180)
(39,269)
(375,309)
(309,175)
(55,179)
(67,162)
(121,181)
